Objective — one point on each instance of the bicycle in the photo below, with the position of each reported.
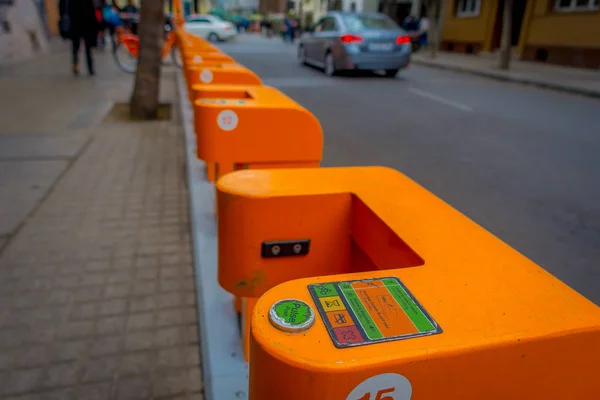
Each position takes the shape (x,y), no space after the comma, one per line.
(126,52)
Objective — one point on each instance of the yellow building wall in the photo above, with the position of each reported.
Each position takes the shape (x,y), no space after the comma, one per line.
(573,29)
(469,29)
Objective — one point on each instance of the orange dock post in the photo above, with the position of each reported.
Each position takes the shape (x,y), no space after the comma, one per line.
(230,129)
(372,288)
(198,58)
(223,73)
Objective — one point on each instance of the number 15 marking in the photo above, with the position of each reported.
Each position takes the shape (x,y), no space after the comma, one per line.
(381,395)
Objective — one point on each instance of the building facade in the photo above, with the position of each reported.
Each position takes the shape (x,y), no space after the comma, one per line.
(564,32)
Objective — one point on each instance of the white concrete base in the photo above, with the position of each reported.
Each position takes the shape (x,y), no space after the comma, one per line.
(225,373)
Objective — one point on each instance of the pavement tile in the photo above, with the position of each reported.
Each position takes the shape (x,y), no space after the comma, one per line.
(23,380)
(62,374)
(177,382)
(137,363)
(95,391)
(140,321)
(181,356)
(99,369)
(134,388)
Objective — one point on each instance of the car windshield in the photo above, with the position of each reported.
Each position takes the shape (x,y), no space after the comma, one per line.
(357,23)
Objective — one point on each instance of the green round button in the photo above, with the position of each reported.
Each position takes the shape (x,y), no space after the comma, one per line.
(292,315)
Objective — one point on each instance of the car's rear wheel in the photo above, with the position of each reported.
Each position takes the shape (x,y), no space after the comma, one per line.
(213,37)
(302,55)
(391,73)
(330,65)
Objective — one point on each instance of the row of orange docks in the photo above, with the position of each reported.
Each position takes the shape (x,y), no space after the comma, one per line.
(356,283)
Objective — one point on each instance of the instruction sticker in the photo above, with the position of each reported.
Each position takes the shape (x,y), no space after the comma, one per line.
(357,313)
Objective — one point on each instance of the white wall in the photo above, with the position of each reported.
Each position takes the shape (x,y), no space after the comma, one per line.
(24,20)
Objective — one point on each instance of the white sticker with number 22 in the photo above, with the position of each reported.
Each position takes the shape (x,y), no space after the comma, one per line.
(227,120)
(382,387)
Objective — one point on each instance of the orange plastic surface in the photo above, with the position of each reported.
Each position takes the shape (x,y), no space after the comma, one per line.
(189,42)
(251,143)
(199,58)
(510,329)
(221,73)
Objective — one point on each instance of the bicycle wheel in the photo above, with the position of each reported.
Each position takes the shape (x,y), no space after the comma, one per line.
(125,60)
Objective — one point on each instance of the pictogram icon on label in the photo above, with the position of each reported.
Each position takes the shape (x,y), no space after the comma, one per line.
(370,311)
(388,386)
(227,120)
(333,303)
(206,76)
(339,319)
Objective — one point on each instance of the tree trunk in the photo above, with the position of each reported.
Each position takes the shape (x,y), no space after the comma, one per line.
(506,45)
(433,15)
(144,99)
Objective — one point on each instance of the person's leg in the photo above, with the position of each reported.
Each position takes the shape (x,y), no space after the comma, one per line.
(89,43)
(75,40)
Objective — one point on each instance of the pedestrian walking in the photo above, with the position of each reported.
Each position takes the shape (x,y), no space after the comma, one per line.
(110,22)
(289,29)
(78,23)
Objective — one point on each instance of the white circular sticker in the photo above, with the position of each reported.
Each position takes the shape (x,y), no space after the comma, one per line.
(198,59)
(227,120)
(382,387)
(206,76)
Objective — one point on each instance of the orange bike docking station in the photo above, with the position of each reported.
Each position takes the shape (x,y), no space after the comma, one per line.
(369,287)
(232,134)
(198,59)
(221,73)
(186,41)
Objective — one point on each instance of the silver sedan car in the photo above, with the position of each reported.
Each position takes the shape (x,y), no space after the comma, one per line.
(355,41)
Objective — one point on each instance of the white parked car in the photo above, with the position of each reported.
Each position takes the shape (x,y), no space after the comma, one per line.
(210,27)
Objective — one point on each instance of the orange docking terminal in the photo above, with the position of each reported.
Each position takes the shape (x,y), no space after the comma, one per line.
(224,73)
(370,287)
(195,59)
(231,131)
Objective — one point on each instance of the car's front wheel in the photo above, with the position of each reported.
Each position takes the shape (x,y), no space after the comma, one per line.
(213,37)
(330,65)
(302,55)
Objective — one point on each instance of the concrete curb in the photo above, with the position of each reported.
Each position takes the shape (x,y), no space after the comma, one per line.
(508,78)
(224,370)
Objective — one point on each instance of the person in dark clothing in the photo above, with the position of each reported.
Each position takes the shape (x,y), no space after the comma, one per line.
(83,26)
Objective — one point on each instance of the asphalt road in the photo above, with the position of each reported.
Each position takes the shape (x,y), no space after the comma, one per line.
(522,162)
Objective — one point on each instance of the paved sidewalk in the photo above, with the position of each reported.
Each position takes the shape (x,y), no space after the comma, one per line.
(97,297)
(573,80)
